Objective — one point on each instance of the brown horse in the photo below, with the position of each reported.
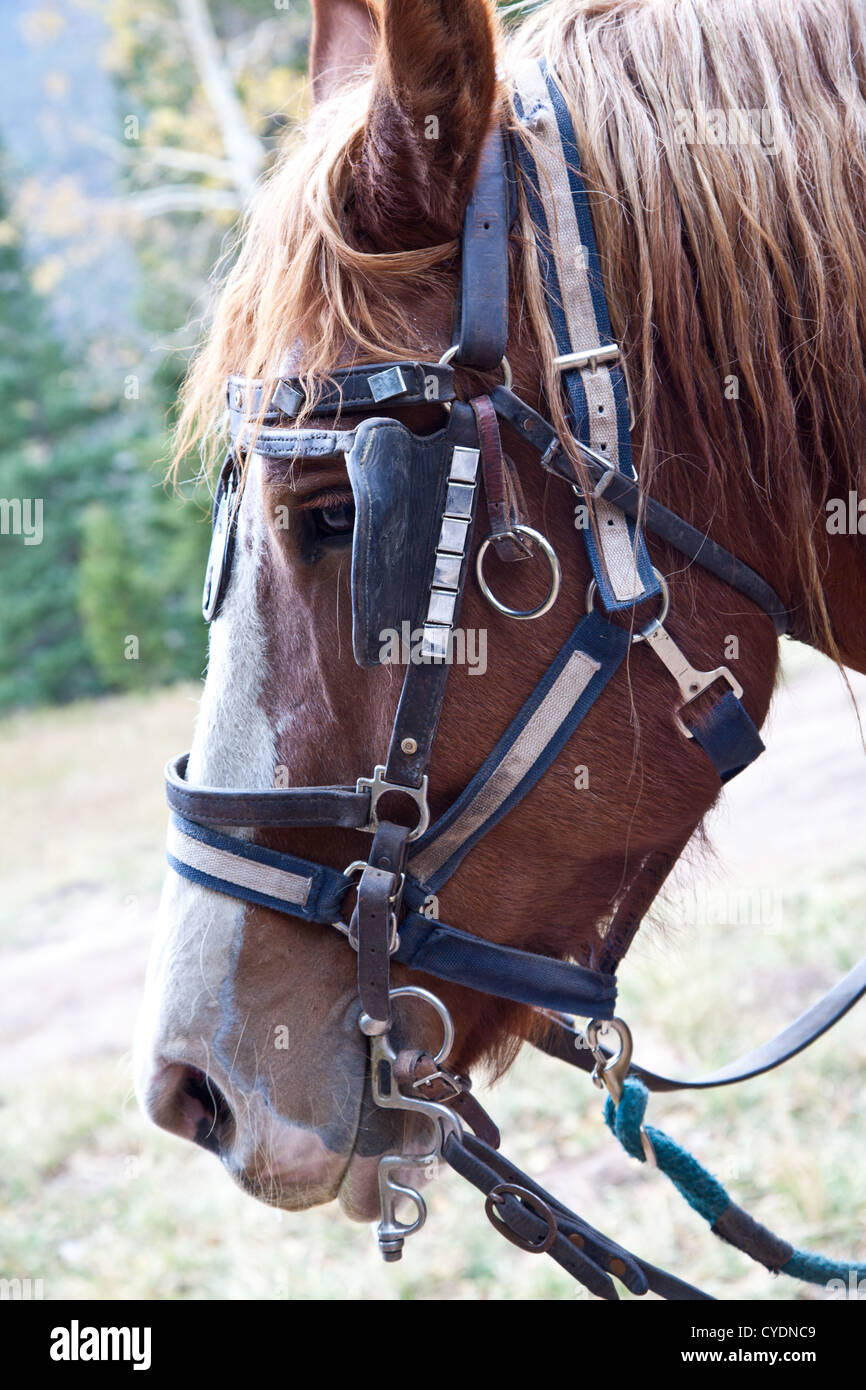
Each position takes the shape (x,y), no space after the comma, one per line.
(734,270)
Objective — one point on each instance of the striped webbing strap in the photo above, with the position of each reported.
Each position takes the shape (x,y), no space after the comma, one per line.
(592,374)
(299,888)
(533,739)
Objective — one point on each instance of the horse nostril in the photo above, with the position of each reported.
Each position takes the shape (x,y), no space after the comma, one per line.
(204,1103)
(186,1101)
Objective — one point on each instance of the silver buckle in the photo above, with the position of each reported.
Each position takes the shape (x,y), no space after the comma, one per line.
(588,357)
(602,355)
(378,786)
(358,866)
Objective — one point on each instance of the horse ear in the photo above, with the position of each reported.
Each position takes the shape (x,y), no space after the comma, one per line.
(345,37)
(434,88)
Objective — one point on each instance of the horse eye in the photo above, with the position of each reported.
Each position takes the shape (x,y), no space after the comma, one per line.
(336,520)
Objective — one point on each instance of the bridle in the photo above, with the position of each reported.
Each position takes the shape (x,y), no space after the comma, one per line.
(423,492)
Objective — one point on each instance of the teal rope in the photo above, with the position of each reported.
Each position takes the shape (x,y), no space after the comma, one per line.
(701,1190)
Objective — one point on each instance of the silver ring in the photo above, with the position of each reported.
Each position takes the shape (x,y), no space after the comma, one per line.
(416,992)
(654,623)
(504,364)
(555,573)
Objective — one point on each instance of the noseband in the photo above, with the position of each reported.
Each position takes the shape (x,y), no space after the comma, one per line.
(416,502)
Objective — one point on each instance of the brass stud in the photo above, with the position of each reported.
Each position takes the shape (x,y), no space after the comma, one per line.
(409,745)
(617,1267)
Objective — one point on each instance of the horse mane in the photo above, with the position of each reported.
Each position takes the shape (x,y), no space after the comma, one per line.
(733,267)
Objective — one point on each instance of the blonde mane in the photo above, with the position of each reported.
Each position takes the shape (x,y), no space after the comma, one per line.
(734,267)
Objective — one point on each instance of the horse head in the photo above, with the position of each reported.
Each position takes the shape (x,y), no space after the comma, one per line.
(713,259)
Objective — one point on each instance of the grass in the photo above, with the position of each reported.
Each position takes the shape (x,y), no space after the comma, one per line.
(100,1205)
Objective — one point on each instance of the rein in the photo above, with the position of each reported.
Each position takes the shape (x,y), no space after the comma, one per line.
(422,493)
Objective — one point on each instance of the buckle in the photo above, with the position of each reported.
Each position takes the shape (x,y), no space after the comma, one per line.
(378,787)
(589,357)
(602,355)
(449,1078)
(496,1198)
(350,932)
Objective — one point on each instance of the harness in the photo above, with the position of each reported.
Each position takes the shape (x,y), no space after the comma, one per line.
(416,499)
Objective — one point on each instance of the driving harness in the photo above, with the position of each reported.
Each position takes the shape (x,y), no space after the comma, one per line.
(416,501)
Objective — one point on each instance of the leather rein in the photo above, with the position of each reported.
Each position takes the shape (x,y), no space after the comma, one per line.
(396,912)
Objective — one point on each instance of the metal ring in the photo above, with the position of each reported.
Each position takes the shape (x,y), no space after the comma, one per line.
(416,992)
(654,623)
(552,560)
(504,364)
(496,1197)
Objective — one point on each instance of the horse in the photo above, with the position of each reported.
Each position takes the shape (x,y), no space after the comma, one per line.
(733,267)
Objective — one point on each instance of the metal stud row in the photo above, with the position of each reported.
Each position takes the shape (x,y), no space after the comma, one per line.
(450,553)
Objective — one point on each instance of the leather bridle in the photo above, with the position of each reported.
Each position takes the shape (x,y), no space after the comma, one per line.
(394,915)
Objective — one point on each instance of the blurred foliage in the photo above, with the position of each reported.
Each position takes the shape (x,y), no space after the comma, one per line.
(85,429)
(75,452)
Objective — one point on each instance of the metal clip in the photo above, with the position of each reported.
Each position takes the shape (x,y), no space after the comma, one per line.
(691,682)
(612,1070)
(379,786)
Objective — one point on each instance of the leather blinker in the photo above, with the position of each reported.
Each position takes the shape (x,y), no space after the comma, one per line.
(398,479)
(222,543)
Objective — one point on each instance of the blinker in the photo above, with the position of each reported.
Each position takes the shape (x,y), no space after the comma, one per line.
(410,491)
(222,543)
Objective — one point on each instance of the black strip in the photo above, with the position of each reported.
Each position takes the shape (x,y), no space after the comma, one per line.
(347,388)
(482,325)
(282,806)
(527,978)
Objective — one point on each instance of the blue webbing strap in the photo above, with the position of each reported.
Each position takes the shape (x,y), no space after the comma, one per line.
(299,888)
(728,737)
(254,874)
(523,976)
(524,752)
(564,164)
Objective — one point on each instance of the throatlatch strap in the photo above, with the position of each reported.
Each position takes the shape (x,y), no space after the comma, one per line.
(527,978)
(569,687)
(595,385)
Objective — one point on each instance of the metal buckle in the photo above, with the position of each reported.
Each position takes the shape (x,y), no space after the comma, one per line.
(378,786)
(450,1080)
(693,683)
(603,354)
(358,866)
(451,353)
(588,357)
(496,1197)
